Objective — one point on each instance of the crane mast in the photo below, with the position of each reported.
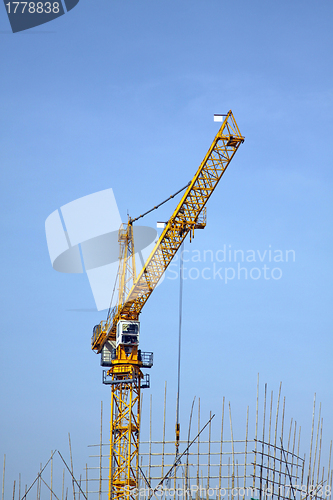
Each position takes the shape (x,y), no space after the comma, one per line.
(117,338)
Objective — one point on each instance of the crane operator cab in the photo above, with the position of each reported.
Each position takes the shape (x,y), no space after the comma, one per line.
(128,334)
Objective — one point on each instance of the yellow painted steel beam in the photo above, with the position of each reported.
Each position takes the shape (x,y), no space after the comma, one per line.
(183,221)
(127,268)
(124,426)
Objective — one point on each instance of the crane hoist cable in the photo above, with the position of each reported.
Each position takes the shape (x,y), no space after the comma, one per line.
(181,270)
(162,203)
(114,289)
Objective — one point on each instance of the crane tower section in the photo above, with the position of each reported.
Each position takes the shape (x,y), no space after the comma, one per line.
(117,338)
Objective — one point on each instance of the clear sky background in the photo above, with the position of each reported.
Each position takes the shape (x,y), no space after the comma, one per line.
(122,94)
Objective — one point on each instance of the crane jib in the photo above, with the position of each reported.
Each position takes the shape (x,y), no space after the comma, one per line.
(185,218)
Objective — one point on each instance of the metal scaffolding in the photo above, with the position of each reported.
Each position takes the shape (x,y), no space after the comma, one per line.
(263,463)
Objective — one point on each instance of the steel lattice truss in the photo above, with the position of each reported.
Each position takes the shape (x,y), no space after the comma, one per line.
(125,425)
(184,220)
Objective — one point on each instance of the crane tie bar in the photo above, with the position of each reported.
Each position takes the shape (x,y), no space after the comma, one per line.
(157,206)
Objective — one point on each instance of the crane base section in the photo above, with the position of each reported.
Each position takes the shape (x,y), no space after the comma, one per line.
(126,381)
(144,382)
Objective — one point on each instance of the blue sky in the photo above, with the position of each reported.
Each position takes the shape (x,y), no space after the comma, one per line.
(122,94)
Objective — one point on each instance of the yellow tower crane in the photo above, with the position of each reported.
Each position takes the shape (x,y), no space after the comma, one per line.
(117,338)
